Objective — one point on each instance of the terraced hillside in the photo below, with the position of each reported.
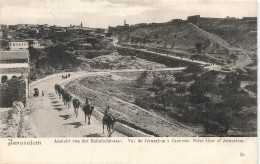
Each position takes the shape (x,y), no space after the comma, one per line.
(182,37)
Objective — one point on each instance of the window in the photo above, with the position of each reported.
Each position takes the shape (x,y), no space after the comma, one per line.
(13,44)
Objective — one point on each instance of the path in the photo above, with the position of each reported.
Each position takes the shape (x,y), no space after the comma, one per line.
(52,119)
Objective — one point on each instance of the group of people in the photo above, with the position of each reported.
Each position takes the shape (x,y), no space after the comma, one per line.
(36,92)
(66,76)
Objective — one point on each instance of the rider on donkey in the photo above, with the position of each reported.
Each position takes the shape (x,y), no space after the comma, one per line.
(107,113)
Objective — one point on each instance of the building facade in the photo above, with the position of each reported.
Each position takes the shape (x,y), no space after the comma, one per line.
(18,45)
(33,43)
(15,64)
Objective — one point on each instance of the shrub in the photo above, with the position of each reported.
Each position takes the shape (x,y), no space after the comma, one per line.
(252,88)
(12,90)
(141,79)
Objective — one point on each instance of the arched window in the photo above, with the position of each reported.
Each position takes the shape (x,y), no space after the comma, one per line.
(4,79)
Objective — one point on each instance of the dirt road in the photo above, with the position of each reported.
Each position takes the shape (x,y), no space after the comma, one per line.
(50,118)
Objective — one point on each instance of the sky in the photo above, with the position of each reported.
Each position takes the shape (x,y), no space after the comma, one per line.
(104,13)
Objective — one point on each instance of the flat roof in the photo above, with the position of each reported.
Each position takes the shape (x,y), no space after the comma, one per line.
(14,70)
(12,55)
(14,65)
(18,41)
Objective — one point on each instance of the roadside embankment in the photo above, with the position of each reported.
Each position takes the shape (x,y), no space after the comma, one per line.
(169,61)
(10,121)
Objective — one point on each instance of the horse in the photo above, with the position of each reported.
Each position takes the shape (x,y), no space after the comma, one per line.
(66,97)
(58,90)
(76,105)
(109,121)
(88,109)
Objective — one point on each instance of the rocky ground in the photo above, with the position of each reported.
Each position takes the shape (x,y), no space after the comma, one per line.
(116,61)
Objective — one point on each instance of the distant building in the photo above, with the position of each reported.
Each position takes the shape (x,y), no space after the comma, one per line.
(13,27)
(3,27)
(139,25)
(46,30)
(195,19)
(18,45)
(125,23)
(9,57)
(33,43)
(249,18)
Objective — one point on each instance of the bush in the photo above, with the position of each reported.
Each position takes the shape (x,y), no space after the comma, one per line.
(141,79)
(144,102)
(252,88)
(12,90)
(181,89)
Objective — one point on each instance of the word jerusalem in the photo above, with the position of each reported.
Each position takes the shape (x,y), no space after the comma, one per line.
(22,143)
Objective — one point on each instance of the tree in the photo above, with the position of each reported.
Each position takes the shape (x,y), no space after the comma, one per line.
(203,85)
(198,47)
(59,57)
(234,58)
(141,79)
(194,69)
(158,82)
(181,89)
(231,81)
(178,77)
(165,97)
(13,90)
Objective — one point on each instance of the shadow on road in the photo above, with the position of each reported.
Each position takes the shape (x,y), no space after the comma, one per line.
(93,135)
(56,106)
(76,124)
(66,116)
(58,109)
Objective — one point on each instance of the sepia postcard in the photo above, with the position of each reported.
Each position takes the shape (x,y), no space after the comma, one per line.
(128,81)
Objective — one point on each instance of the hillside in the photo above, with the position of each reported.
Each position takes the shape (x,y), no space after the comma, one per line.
(248,41)
(190,40)
(179,37)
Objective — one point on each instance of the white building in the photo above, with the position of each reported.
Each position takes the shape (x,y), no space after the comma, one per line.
(18,45)
(15,64)
(33,43)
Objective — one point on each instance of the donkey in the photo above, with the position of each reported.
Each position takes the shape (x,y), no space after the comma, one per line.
(109,121)
(88,109)
(76,104)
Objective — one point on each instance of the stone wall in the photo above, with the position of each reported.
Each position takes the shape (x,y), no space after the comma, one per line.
(152,56)
(10,126)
